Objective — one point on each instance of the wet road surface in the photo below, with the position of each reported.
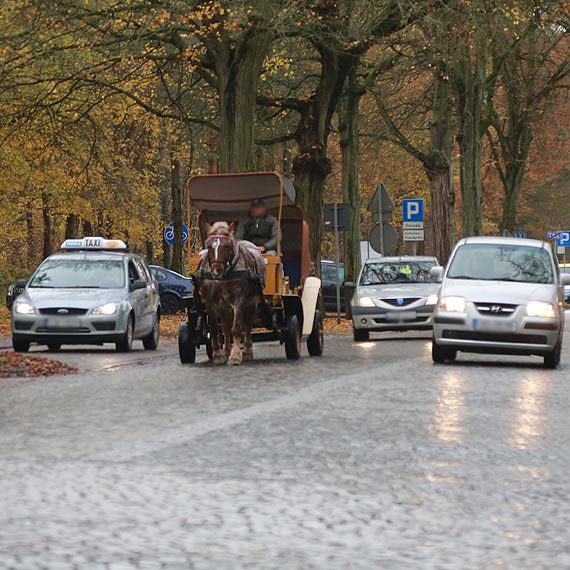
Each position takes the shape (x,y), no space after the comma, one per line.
(369,457)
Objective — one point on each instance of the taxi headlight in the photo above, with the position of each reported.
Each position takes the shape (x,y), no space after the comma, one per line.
(452,304)
(540,309)
(432,300)
(107,309)
(366,302)
(24,308)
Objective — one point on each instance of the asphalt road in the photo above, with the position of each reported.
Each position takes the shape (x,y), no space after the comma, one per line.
(367,458)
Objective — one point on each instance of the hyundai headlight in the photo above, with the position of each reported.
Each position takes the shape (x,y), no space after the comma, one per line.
(24,308)
(432,300)
(107,309)
(452,304)
(540,309)
(366,302)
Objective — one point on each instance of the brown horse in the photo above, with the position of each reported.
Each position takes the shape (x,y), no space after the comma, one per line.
(232,276)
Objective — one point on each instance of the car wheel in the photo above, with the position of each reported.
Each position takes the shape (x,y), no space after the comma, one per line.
(441,355)
(170,304)
(20,345)
(54,346)
(316,342)
(552,359)
(126,343)
(293,338)
(361,335)
(151,341)
(186,345)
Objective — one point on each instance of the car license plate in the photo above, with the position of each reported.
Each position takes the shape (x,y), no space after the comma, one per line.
(494,325)
(61,323)
(401,316)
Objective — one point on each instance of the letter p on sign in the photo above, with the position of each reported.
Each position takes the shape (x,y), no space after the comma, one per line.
(413,210)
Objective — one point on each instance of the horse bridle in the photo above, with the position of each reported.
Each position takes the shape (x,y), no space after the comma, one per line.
(229,264)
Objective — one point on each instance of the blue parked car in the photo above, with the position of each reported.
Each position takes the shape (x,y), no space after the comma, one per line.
(172,288)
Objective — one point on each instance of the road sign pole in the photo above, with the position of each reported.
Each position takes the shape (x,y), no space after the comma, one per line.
(381,219)
(414,248)
(337,255)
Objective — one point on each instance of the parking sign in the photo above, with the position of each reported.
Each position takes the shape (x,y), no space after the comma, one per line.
(413,210)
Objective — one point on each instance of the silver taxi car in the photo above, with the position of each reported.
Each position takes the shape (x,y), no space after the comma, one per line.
(93,292)
(500,296)
(393,293)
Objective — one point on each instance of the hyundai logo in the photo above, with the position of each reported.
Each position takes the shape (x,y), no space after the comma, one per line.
(496,309)
(63,311)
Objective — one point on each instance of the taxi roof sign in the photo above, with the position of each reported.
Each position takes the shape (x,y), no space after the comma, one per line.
(93,244)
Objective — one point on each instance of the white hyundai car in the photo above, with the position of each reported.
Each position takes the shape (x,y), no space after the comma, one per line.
(500,296)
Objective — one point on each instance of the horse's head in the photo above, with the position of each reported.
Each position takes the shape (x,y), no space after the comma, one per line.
(220,245)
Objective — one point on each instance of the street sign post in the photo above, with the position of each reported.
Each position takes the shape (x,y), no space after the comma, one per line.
(413,220)
(169,234)
(337,219)
(382,209)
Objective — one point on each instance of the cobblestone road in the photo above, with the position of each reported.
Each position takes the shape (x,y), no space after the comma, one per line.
(369,458)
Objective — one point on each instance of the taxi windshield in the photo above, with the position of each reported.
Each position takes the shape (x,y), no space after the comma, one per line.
(386,272)
(79,274)
(497,262)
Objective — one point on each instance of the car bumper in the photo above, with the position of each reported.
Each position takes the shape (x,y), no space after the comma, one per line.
(500,335)
(380,319)
(69,330)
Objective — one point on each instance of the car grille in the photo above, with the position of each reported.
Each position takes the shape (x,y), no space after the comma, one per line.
(65,311)
(495,337)
(63,330)
(496,309)
(404,301)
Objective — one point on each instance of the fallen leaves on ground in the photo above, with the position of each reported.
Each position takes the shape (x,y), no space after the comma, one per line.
(4,322)
(169,325)
(14,364)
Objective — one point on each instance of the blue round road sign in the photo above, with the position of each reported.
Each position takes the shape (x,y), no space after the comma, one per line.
(169,233)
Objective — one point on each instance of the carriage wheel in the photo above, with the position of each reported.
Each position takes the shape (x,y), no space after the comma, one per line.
(186,345)
(316,342)
(292,338)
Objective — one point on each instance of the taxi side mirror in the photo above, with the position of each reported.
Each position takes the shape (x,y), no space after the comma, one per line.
(436,273)
(349,285)
(20,283)
(565,279)
(138,285)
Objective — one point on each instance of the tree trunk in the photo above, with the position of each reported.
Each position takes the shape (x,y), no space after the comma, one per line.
(71,226)
(311,166)
(31,250)
(350,152)
(470,104)
(515,148)
(439,170)
(176,190)
(46,219)
(238,70)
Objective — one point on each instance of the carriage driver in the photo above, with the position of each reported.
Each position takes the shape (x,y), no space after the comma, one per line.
(261,228)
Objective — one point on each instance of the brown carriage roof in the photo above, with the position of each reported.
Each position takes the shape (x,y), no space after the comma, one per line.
(234,192)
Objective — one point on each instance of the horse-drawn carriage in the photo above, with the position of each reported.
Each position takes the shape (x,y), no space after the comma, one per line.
(286,299)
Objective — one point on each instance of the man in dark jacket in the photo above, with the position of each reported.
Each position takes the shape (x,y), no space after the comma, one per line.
(261,228)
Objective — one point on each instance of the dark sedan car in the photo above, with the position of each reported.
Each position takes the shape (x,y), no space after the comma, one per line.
(14,290)
(328,272)
(172,288)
